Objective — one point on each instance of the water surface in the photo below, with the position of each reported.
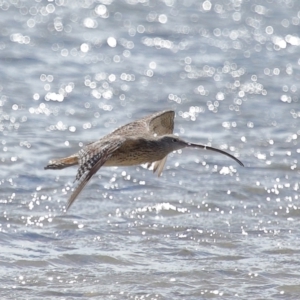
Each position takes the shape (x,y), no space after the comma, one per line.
(72,72)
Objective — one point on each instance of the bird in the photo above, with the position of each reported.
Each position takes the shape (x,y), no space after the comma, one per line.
(148,140)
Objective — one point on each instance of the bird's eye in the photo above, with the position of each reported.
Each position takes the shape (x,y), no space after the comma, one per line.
(174,140)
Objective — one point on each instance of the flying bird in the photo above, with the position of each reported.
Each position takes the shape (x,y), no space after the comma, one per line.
(145,141)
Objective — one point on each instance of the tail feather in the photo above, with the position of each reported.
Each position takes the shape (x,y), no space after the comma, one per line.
(63,162)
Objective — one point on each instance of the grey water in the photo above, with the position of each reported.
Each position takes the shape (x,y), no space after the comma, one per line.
(73,71)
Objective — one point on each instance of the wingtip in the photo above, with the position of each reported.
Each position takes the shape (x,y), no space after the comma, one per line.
(71,199)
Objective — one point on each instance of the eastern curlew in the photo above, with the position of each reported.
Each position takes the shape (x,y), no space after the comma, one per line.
(147,140)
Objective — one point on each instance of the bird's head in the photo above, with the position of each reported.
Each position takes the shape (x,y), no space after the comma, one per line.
(171,142)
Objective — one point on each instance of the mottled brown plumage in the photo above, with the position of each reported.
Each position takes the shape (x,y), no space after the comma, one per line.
(147,140)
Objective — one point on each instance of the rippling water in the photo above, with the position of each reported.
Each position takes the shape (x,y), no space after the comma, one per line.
(72,71)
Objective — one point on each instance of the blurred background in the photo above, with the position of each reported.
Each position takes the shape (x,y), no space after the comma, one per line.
(73,71)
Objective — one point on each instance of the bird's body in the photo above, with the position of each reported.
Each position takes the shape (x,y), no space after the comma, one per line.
(147,140)
(136,151)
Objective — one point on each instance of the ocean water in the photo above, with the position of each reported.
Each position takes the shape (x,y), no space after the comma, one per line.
(73,71)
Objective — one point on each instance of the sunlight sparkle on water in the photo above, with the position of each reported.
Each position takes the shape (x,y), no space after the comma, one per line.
(112,42)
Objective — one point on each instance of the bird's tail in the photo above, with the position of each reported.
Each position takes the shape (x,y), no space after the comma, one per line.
(62,163)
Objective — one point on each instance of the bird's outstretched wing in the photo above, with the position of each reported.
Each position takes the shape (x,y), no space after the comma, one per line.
(159,123)
(91,159)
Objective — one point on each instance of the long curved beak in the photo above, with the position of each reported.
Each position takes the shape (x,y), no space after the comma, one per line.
(191,145)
